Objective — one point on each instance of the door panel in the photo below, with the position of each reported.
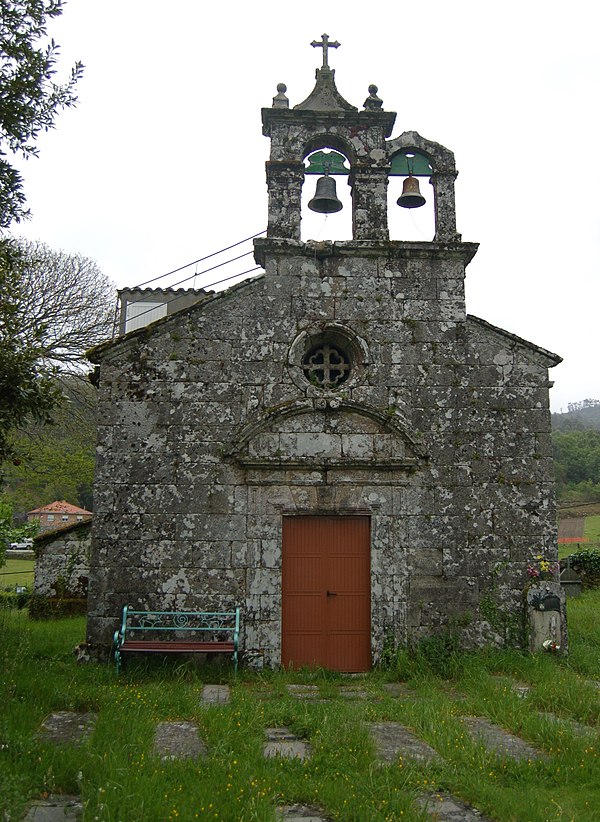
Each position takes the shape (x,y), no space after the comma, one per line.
(326,613)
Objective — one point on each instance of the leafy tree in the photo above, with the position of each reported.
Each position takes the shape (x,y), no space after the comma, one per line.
(9,532)
(55,461)
(66,305)
(53,307)
(29,97)
(27,387)
(577,462)
(29,102)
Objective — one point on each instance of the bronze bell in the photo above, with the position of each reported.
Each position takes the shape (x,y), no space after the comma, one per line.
(411,196)
(325,200)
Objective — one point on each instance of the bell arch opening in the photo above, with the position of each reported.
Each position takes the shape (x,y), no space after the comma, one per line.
(410,176)
(326,188)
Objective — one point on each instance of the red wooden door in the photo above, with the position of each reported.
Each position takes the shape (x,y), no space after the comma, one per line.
(326,587)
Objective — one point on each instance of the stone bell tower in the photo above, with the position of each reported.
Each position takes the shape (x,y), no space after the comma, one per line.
(325,119)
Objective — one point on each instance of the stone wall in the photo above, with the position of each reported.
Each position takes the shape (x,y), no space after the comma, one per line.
(211,434)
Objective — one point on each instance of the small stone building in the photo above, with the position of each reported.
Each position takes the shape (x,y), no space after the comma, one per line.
(335,445)
(62,561)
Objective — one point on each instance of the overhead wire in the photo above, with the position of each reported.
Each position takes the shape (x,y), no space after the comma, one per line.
(143,298)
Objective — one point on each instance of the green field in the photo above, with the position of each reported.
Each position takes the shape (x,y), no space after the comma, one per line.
(16,572)
(119,777)
(592,530)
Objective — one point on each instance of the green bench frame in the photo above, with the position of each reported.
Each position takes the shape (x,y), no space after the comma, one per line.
(136,626)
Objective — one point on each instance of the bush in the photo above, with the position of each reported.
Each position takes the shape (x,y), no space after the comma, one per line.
(41,607)
(586,564)
(9,599)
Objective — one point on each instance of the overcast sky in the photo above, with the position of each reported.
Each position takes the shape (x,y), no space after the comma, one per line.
(162,161)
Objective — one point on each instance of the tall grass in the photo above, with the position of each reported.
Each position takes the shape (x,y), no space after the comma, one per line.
(119,778)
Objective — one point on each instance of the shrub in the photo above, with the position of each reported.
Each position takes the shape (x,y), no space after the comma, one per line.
(41,607)
(10,599)
(586,563)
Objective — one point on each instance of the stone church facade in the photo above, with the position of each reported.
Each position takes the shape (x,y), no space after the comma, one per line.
(335,445)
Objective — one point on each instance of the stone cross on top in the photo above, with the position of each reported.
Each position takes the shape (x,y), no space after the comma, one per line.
(325,44)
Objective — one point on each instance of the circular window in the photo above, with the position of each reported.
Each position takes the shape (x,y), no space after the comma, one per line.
(327,358)
(326,365)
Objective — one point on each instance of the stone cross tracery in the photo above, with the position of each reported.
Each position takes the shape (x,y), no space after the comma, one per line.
(325,44)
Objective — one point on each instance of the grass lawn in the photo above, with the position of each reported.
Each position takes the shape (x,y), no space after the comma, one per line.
(119,778)
(16,572)
(592,529)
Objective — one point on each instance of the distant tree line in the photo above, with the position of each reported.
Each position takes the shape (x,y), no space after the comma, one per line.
(576,440)
(579,406)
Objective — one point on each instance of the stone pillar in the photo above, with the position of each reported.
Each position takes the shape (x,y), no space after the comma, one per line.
(284,182)
(445,207)
(369,203)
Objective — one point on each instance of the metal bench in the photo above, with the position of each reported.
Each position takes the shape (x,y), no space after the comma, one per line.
(180,632)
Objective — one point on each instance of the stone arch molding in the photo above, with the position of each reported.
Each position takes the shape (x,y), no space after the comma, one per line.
(328,432)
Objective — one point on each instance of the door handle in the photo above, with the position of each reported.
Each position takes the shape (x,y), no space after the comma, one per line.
(331,594)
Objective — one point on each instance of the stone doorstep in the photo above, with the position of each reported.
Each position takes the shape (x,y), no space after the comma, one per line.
(178,740)
(56,808)
(282,742)
(393,740)
(67,727)
(497,740)
(300,813)
(443,807)
(216,695)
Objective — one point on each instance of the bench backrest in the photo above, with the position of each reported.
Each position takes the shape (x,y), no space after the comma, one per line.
(218,622)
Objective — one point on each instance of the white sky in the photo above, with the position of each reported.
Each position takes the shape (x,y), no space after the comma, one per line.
(162,161)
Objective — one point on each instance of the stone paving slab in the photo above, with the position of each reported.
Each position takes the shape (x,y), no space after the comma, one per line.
(307,693)
(577,728)
(393,740)
(178,740)
(67,727)
(521,689)
(55,809)
(399,689)
(216,695)
(497,740)
(353,693)
(282,742)
(444,807)
(301,813)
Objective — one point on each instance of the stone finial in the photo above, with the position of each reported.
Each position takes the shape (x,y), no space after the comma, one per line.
(280,100)
(373,102)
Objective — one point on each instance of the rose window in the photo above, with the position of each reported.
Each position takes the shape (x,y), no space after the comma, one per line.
(326,366)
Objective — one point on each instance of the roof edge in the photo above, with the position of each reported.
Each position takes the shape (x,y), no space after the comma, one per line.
(97,353)
(553,359)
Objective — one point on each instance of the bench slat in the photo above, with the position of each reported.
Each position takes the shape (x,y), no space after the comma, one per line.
(177,647)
